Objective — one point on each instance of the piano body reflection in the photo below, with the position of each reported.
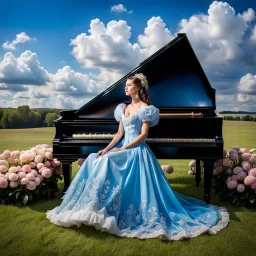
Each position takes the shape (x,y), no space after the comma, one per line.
(188,128)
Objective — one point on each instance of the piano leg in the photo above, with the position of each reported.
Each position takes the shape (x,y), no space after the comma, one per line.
(67,172)
(208,170)
(198,172)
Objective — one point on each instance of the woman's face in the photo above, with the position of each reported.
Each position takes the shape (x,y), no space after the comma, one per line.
(130,88)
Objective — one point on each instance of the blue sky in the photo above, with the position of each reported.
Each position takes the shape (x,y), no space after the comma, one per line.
(40,67)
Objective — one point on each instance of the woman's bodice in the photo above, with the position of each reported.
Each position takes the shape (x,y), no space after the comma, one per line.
(133,123)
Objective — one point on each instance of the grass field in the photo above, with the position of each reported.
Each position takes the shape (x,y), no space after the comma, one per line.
(26,231)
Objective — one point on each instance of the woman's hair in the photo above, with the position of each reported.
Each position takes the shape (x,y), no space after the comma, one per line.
(142,92)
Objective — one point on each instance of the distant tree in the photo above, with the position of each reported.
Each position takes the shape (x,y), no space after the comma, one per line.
(24,111)
(254,119)
(238,118)
(16,120)
(247,118)
(50,117)
(33,119)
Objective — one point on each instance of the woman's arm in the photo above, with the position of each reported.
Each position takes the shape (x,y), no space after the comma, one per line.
(117,136)
(143,135)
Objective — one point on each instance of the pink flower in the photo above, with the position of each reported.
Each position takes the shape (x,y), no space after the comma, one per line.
(48,155)
(47,163)
(39,166)
(252,172)
(33,171)
(252,149)
(169,169)
(11,160)
(13,184)
(226,162)
(190,172)
(13,177)
(38,159)
(22,175)
(3,182)
(232,184)
(234,177)
(233,156)
(1,156)
(3,162)
(40,177)
(53,164)
(24,181)
(191,163)
(219,162)
(249,180)
(245,156)
(240,188)
(37,181)
(218,169)
(32,164)
(241,175)
(46,173)
(224,153)
(13,169)
(7,153)
(235,148)
(243,150)
(237,170)
(18,169)
(31,185)
(26,168)
(253,185)
(3,169)
(228,180)
(246,166)
(30,176)
(229,171)
(252,160)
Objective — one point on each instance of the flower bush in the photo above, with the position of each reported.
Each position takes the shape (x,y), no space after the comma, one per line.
(28,175)
(234,176)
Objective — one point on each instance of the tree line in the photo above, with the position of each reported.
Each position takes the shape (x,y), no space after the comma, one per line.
(238,118)
(24,117)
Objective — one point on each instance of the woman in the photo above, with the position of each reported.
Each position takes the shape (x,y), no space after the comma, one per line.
(123,190)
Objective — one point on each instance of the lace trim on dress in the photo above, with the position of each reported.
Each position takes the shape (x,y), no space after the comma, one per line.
(147,223)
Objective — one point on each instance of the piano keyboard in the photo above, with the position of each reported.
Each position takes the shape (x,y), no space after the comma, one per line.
(152,140)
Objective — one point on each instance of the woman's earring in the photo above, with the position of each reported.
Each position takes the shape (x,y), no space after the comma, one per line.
(136,96)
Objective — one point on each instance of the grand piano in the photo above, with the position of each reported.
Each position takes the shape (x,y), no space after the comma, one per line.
(189,127)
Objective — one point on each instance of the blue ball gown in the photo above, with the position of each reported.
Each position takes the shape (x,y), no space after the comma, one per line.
(127,194)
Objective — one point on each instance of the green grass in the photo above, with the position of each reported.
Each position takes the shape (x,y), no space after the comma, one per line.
(26,231)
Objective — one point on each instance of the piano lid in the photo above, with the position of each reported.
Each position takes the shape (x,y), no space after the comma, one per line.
(175,77)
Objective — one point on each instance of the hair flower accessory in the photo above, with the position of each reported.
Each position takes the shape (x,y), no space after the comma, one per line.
(143,80)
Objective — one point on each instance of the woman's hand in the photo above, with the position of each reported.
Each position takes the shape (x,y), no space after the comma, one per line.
(102,152)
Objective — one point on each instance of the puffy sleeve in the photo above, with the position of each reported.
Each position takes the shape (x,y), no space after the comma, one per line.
(119,110)
(150,113)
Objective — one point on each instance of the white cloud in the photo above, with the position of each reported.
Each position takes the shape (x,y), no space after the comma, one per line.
(76,84)
(119,8)
(247,84)
(253,34)
(25,69)
(108,48)
(156,35)
(243,98)
(219,36)
(20,39)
